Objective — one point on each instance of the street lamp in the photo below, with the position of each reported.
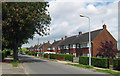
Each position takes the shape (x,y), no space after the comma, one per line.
(89,39)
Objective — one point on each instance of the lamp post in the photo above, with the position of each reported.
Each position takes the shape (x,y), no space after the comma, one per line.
(89,39)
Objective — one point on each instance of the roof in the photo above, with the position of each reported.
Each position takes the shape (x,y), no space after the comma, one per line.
(68,40)
(54,44)
(80,38)
(41,46)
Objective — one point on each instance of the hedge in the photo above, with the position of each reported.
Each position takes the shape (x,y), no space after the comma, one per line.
(4,54)
(97,62)
(116,64)
(68,57)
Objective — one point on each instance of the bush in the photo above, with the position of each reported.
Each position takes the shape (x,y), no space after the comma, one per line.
(4,54)
(45,55)
(97,62)
(100,62)
(116,64)
(66,56)
(84,60)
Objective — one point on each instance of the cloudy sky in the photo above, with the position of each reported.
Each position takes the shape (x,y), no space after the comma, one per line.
(66,19)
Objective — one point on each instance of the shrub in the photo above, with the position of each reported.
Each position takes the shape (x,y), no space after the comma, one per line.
(116,64)
(66,56)
(84,60)
(45,55)
(100,62)
(97,62)
(4,54)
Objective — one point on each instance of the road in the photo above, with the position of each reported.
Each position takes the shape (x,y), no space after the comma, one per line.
(34,65)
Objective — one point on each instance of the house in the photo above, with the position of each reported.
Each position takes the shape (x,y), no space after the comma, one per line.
(79,44)
(31,49)
(35,49)
(54,46)
(44,47)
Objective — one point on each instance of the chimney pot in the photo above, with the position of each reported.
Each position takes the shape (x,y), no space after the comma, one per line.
(48,41)
(62,38)
(80,33)
(65,37)
(43,42)
(104,26)
(54,40)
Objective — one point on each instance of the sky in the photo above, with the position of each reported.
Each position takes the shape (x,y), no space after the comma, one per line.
(66,20)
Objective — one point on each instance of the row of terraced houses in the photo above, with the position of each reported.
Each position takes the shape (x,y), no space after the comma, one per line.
(78,44)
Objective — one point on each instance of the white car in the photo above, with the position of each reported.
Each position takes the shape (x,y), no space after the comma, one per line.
(49,53)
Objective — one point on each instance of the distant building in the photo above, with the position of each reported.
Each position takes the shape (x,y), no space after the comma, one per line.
(54,46)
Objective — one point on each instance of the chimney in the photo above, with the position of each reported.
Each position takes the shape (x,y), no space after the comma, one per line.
(80,33)
(54,40)
(43,42)
(62,38)
(104,26)
(48,41)
(65,37)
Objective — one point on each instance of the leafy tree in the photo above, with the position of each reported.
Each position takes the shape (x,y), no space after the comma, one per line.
(106,49)
(21,20)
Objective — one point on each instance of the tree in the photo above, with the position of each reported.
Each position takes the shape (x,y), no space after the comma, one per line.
(21,20)
(106,50)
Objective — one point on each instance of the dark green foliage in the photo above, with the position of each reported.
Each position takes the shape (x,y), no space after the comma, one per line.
(100,62)
(26,52)
(97,62)
(116,64)
(84,60)
(4,54)
(45,55)
(21,20)
(66,56)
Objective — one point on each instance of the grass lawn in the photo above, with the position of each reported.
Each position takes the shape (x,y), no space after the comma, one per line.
(82,66)
(15,63)
(92,67)
(46,58)
(108,71)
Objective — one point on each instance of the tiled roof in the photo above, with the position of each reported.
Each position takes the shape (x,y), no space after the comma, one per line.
(54,44)
(41,46)
(80,38)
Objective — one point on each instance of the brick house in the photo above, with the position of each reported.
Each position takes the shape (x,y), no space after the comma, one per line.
(44,47)
(54,46)
(31,49)
(79,44)
(35,49)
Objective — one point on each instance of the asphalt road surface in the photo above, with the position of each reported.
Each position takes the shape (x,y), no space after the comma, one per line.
(34,65)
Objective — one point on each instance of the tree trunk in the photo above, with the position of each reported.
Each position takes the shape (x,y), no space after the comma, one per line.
(15,51)
(15,54)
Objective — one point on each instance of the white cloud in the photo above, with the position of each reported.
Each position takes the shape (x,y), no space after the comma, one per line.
(66,19)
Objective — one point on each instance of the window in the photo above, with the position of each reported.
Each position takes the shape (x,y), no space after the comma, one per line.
(84,45)
(58,47)
(85,54)
(74,46)
(53,48)
(67,47)
(78,45)
(71,46)
(48,48)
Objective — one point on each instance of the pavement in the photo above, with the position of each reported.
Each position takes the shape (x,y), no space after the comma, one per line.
(7,67)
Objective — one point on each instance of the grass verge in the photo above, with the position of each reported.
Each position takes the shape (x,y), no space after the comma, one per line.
(108,71)
(82,66)
(46,58)
(99,70)
(15,63)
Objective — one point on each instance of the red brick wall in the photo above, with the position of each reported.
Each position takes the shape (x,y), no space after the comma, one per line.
(45,48)
(102,37)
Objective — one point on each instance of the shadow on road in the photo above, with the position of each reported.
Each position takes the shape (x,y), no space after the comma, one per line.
(28,59)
